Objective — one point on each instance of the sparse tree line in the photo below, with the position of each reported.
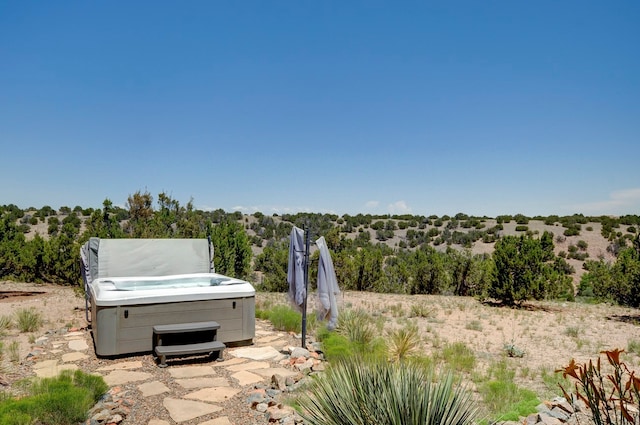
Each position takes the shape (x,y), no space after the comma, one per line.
(431,259)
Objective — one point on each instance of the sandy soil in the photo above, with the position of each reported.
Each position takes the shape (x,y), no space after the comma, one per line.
(550,333)
(59,307)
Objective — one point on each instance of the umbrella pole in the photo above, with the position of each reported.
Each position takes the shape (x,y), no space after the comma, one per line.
(306,285)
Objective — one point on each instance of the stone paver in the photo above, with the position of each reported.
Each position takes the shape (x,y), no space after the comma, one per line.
(270,371)
(246,378)
(119,377)
(191,383)
(153,388)
(45,364)
(191,371)
(204,386)
(258,353)
(73,357)
(137,364)
(213,395)
(218,421)
(78,344)
(53,370)
(268,338)
(229,362)
(248,366)
(182,410)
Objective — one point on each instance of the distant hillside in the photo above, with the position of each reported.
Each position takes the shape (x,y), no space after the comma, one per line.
(576,238)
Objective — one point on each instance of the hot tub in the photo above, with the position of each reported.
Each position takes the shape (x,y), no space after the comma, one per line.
(125,309)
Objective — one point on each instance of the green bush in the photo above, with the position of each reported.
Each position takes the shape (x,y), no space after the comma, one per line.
(63,400)
(283,318)
(371,393)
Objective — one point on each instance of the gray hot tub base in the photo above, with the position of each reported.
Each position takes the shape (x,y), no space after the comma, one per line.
(128,329)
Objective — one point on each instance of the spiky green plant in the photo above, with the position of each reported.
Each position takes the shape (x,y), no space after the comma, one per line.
(368,393)
(5,323)
(28,320)
(356,326)
(403,343)
(420,310)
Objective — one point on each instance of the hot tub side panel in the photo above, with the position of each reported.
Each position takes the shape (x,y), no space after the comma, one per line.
(129,329)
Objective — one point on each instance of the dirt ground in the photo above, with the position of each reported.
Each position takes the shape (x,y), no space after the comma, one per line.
(550,333)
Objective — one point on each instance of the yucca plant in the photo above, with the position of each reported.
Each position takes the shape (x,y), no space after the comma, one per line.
(370,393)
(403,343)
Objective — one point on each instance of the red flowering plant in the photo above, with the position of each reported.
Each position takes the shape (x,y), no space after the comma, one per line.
(613,398)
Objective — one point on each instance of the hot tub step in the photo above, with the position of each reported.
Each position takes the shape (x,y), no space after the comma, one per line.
(162,351)
(182,339)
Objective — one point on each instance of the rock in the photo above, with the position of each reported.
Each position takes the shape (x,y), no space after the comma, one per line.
(318,367)
(559,413)
(275,413)
(300,352)
(272,392)
(549,420)
(115,419)
(262,407)
(279,382)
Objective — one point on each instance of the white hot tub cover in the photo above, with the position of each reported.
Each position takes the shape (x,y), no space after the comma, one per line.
(145,257)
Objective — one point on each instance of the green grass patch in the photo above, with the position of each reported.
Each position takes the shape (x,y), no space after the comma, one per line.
(458,356)
(552,382)
(338,347)
(283,318)
(633,346)
(63,400)
(502,397)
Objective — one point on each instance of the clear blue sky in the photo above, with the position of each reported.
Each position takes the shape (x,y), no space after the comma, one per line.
(481,107)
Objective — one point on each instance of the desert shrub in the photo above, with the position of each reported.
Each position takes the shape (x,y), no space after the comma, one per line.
(405,393)
(572,230)
(28,320)
(613,398)
(521,270)
(618,282)
(420,310)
